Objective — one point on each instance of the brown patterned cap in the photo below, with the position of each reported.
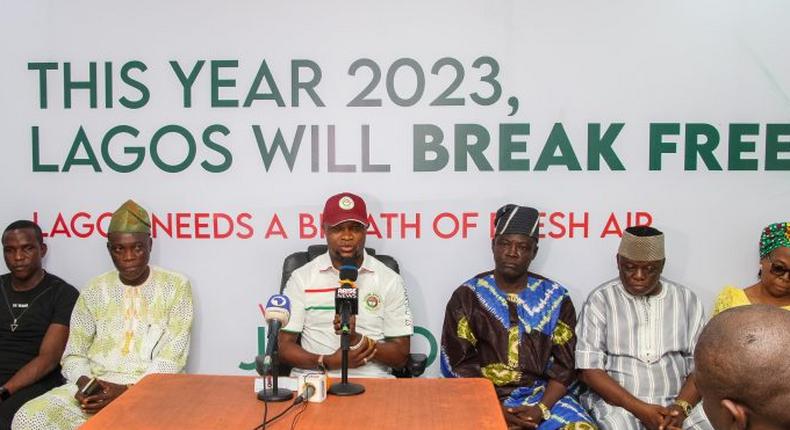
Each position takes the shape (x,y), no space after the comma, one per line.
(642,243)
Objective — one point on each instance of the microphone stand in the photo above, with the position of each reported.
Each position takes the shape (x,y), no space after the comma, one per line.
(345,388)
(275,394)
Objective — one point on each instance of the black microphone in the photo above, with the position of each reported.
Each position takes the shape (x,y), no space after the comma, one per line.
(348,270)
(346,304)
(277,314)
(347,295)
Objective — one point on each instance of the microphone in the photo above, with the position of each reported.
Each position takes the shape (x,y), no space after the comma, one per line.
(347,295)
(277,314)
(346,304)
(348,271)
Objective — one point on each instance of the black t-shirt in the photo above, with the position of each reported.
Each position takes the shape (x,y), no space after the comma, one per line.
(50,302)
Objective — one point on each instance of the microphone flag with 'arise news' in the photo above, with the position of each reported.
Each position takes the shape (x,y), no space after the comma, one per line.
(347,298)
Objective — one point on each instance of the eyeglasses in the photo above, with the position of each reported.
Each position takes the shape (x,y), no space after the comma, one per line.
(777,270)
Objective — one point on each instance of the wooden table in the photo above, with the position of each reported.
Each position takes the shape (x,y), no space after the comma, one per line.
(229,403)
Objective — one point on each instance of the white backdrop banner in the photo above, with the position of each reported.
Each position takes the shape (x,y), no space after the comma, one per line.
(233,122)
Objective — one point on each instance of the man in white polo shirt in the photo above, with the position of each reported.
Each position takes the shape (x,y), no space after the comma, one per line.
(381,331)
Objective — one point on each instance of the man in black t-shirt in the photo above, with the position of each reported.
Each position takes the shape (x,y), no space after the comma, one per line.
(35,308)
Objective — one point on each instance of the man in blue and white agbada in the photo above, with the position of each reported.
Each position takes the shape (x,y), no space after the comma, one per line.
(516,328)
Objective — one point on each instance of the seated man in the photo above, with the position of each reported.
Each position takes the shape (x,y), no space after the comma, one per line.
(34,320)
(742,368)
(127,323)
(515,328)
(379,333)
(636,340)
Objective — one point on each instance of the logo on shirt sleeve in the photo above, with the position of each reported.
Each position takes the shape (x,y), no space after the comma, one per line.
(372,301)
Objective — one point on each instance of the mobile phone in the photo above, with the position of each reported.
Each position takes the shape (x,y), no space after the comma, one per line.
(91,388)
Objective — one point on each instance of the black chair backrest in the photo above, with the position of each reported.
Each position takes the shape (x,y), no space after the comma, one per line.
(300,258)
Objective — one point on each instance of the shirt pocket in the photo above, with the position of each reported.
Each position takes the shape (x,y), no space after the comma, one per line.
(152,341)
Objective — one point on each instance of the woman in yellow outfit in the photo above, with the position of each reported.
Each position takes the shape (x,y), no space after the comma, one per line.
(773,288)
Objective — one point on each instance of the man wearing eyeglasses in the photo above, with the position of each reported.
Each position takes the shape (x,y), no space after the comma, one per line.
(636,343)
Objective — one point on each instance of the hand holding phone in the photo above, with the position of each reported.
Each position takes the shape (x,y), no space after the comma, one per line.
(91,387)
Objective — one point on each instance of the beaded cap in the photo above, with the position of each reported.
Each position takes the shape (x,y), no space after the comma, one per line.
(774,236)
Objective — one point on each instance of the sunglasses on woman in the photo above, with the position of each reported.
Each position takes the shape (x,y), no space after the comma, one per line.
(776,269)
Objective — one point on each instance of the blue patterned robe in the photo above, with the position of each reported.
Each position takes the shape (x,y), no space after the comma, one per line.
(518,341)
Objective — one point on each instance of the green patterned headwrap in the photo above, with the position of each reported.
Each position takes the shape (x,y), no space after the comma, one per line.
(774,236)
(130,218)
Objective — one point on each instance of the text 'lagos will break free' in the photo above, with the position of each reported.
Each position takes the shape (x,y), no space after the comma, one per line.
(462,147)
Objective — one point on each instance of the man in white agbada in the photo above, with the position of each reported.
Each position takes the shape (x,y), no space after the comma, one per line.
(636,337)
(127,323)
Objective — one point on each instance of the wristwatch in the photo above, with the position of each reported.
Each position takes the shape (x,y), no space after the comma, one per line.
(686,406)
(545,411)
(4,393)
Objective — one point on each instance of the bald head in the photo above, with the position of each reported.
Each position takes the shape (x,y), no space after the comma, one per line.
(741,356)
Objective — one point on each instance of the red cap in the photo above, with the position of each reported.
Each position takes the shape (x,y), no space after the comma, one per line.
(345,207)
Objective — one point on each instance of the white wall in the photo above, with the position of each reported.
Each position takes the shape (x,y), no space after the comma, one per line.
(575,63)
